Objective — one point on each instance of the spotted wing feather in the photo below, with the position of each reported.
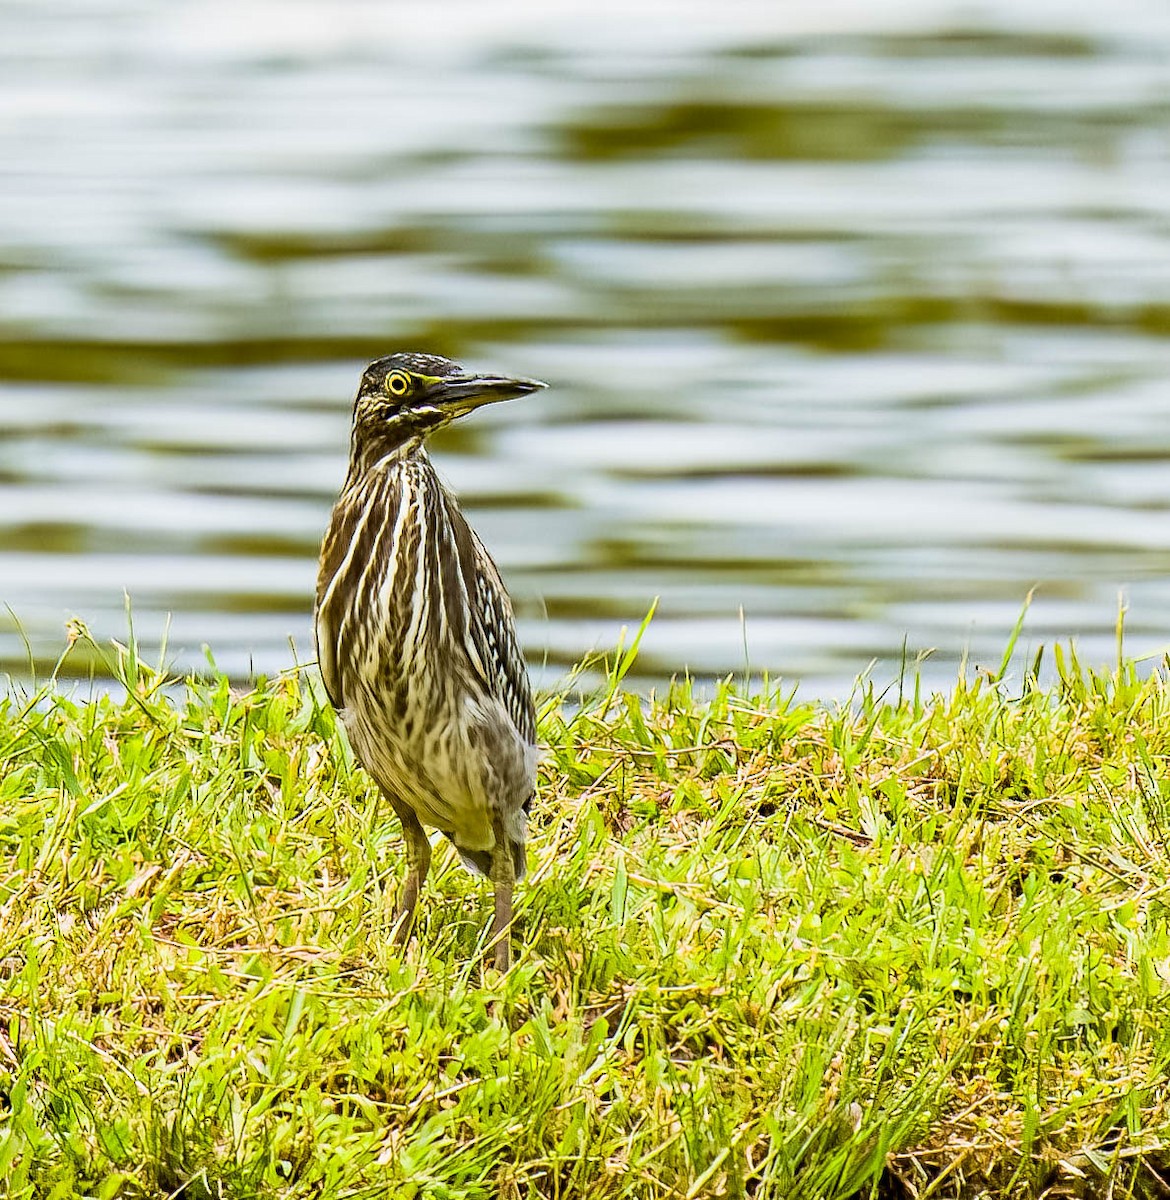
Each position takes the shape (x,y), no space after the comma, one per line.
(492,647)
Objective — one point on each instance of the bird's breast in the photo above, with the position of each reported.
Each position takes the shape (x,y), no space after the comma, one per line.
(392,633)
(376,611)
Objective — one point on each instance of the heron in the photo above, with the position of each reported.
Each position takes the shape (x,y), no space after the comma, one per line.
(416,639)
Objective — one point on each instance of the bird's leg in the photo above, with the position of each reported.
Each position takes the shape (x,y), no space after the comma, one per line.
(503,877)
(418,863)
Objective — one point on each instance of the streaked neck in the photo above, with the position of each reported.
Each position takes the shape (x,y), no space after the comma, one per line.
(374,455)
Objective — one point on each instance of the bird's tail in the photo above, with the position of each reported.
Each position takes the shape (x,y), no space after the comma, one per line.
(480,861)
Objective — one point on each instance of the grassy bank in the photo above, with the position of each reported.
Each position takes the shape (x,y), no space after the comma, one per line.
(914,946)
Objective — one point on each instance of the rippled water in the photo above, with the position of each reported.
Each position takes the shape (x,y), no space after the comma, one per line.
(857,317)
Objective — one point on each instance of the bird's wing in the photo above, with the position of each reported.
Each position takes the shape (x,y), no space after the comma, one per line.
(492,646)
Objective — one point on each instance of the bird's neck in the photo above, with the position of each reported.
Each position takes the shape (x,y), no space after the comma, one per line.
(368,456)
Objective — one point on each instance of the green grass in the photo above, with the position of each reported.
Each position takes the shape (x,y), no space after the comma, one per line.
(912,946)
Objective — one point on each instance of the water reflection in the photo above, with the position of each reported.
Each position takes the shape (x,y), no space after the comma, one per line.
(856,332)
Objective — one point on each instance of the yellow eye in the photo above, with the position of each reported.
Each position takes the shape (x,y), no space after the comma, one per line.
(398,383)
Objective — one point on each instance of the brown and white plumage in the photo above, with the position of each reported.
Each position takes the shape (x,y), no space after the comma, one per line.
(415,635)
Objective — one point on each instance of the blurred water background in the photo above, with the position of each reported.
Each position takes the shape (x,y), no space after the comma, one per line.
(857,317)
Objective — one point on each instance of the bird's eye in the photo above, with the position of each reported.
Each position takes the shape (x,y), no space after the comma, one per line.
(398,383)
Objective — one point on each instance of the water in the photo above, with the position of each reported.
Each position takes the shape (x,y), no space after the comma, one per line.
(857,318)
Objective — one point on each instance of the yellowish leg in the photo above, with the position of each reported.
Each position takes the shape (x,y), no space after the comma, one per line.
(418,863)
(503,878)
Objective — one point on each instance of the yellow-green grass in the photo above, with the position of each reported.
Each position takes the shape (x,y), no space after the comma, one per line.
(907,946)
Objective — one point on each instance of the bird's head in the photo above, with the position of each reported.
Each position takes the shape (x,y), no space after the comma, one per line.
(403,398)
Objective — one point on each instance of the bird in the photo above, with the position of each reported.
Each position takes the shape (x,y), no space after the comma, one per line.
(416,638)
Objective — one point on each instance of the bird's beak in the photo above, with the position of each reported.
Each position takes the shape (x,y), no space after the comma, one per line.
(465,392)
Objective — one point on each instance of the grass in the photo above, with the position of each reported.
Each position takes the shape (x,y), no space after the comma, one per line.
(911,946)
